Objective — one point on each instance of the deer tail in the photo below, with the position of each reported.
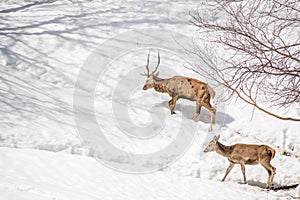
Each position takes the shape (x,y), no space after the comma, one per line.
(271,152)
(211,91)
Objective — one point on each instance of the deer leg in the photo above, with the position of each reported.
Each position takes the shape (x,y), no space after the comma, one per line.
(198,109)
(228,170)
(271,172)
(172,104)
(205,101)
(212,110)
(272,177)
(243,171)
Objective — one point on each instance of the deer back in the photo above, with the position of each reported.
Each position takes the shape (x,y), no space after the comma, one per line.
(250,153)
(188,88)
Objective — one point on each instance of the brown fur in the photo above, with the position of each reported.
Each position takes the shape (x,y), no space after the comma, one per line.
(182,87)
(245,154)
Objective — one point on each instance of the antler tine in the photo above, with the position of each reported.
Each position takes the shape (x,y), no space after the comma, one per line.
(158,62)
(147,67)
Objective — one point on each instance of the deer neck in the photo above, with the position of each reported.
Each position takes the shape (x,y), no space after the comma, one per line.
(223,150)
(160,85)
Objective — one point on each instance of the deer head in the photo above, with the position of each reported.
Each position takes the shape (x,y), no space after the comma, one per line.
(212,144)
(150,76)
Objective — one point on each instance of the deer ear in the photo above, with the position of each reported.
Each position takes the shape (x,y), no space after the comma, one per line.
(217,137)
(156,74)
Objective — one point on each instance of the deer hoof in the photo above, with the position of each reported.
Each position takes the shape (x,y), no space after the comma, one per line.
(172,113)
(269,187)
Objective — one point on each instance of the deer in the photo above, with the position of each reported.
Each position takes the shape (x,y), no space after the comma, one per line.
(181,87)
(245,154)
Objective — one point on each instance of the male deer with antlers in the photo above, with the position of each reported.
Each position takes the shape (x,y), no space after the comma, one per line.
(181,87)
(245,154)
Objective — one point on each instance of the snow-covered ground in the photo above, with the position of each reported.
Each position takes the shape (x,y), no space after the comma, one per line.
(35,174)
(45,44)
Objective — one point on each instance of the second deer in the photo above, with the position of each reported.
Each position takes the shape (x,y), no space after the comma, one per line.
(181,87)
(245,154)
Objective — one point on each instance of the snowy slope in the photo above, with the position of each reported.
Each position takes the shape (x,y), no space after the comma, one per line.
(44,44)
(62,176)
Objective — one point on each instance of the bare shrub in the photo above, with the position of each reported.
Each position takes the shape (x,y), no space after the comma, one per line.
(261,41)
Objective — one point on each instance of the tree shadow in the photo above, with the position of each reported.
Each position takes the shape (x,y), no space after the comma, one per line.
(30,72)
(26,6)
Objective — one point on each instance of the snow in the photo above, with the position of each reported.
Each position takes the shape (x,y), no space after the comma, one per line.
(64,176)
(45,44)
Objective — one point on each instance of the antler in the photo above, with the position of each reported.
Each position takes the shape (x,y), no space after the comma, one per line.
(147,66)
(158,62)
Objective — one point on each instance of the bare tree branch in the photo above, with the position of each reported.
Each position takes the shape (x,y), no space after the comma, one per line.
(261,41)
